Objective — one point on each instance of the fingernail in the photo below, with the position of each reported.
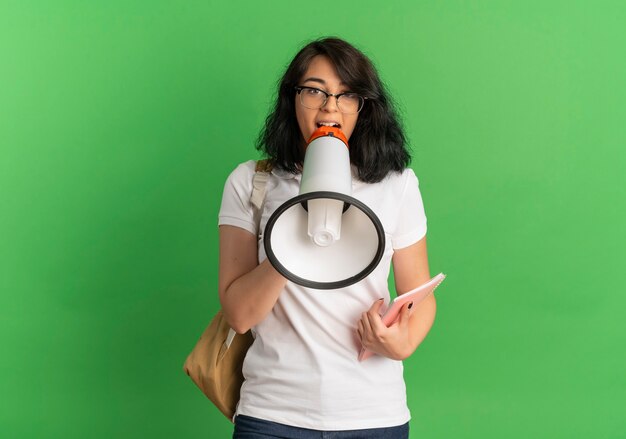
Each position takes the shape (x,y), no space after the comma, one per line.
(410,305)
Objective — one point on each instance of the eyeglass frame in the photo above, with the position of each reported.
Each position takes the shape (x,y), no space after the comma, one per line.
(299,89)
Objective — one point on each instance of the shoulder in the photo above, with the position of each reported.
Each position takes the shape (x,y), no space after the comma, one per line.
(238,185)
(236,209)
(242,177)
(243,172)
(408,175)
(401,180)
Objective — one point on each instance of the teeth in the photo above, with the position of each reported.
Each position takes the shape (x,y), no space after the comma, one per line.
(328,124)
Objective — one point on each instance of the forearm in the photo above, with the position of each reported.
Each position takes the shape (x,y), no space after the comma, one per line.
(420,323)
(249,298)
(248,290)
(410,266)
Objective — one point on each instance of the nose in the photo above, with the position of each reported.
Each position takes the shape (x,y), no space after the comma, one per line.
(331,104)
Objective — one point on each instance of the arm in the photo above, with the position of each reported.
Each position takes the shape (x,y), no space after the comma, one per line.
(248,290)
(399,341)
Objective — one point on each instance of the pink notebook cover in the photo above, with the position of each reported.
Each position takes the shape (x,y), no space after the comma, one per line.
(416,295)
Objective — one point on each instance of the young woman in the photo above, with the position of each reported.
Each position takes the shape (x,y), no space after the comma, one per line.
(302,372)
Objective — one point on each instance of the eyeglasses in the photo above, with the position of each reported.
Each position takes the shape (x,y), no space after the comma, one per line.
(314,99)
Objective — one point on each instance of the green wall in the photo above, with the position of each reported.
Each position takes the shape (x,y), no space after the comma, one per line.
(120,120)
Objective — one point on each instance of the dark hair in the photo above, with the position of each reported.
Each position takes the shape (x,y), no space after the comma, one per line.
(377,144)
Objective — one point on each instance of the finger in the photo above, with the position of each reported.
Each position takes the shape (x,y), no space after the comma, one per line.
(375,322)
(359,328)
(375,311)
(367,327)
(376,306)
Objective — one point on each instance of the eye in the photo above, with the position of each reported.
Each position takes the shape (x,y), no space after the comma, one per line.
(350,97)
(312,91)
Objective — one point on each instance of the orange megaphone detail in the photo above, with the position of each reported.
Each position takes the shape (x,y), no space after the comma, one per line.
(329,131)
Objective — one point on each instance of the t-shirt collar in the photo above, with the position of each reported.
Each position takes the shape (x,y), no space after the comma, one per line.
(286,175)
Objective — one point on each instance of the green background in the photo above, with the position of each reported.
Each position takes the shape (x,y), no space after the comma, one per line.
(119,122)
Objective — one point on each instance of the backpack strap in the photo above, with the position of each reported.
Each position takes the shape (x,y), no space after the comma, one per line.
(264,165)
(259,183)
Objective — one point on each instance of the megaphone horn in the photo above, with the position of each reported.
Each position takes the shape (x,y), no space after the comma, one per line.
(324,238)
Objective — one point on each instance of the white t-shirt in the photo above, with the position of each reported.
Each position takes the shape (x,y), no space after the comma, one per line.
(302,368)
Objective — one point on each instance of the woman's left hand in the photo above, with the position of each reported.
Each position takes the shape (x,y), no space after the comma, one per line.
(394,341)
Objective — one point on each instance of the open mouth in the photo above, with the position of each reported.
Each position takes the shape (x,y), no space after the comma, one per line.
(328,124)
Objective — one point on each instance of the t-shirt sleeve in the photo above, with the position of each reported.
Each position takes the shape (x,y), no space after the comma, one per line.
(236,209)
(411,225)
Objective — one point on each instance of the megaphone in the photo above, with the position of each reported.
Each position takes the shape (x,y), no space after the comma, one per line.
(324,238)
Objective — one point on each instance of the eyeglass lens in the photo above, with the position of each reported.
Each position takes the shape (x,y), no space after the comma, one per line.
(346,103)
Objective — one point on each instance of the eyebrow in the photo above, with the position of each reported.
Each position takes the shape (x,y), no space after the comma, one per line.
(321,81)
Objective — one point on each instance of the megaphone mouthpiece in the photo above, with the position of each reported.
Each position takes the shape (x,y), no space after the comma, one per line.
(328,131)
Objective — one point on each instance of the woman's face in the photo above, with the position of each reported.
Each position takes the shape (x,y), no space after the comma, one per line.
(323,75)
